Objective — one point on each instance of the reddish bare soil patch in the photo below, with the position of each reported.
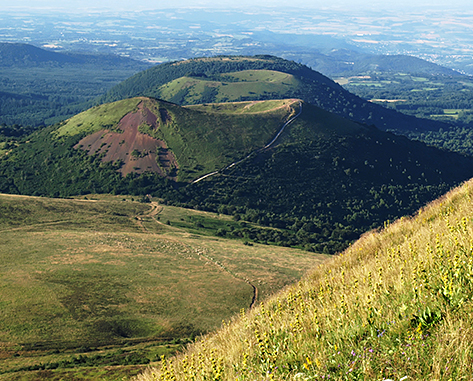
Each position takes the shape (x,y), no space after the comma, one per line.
(138,152)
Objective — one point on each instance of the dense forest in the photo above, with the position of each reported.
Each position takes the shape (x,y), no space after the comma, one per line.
(327,192)
(319,192)
(455,139)
(41,87)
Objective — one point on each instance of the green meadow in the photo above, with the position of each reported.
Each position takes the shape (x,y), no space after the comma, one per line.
(228,87)
(107,281)
(396,305)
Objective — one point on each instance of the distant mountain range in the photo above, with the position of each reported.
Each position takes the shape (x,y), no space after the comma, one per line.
(345,62)
(26,55)
(42,87)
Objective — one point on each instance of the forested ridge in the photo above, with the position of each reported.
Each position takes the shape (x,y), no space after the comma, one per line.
(320,188)
(147,82)
(327,192)
(40,87)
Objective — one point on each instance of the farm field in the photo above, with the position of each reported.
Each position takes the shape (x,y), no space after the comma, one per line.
(438,97)
(107,281)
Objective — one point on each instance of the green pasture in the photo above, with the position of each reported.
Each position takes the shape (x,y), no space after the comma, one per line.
(101,273)
(228,87)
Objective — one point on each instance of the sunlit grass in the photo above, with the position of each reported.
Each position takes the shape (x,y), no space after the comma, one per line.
(396,305)
(107,271)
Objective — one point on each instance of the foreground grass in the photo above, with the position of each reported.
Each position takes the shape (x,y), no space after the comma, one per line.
(91,276)
(396,305)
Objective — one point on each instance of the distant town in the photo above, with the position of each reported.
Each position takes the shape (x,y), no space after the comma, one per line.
(165,35)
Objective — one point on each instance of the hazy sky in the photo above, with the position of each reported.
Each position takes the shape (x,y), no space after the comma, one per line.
(159,4)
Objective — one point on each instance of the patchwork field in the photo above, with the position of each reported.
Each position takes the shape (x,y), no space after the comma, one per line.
(118,282)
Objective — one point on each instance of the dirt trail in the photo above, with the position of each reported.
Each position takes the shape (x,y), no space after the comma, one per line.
(155,210)
(254,299)
(255,295)
(267,146)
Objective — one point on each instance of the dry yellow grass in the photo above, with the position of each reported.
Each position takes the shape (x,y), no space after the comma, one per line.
(395,305)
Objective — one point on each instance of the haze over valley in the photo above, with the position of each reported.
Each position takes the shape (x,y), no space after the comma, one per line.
(240,191)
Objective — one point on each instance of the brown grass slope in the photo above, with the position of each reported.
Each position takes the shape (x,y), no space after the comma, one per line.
(395,305)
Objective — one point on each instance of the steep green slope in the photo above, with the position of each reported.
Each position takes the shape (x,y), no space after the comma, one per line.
(113,147)
(201,139)
(396,305)
(207,79)
(325,181)
(329,180)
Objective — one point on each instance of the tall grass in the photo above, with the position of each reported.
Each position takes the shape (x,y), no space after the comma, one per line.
(395,305)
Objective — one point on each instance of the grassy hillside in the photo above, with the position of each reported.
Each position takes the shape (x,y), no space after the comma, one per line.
(395,305)
(227,78)
(198,140)
(150,81)
(202,139)
(229,87)
(97,118)
(325,182)
(94,275)
(329,180)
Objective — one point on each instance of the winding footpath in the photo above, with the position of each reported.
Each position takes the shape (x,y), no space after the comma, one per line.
(157,209)
(256,151)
